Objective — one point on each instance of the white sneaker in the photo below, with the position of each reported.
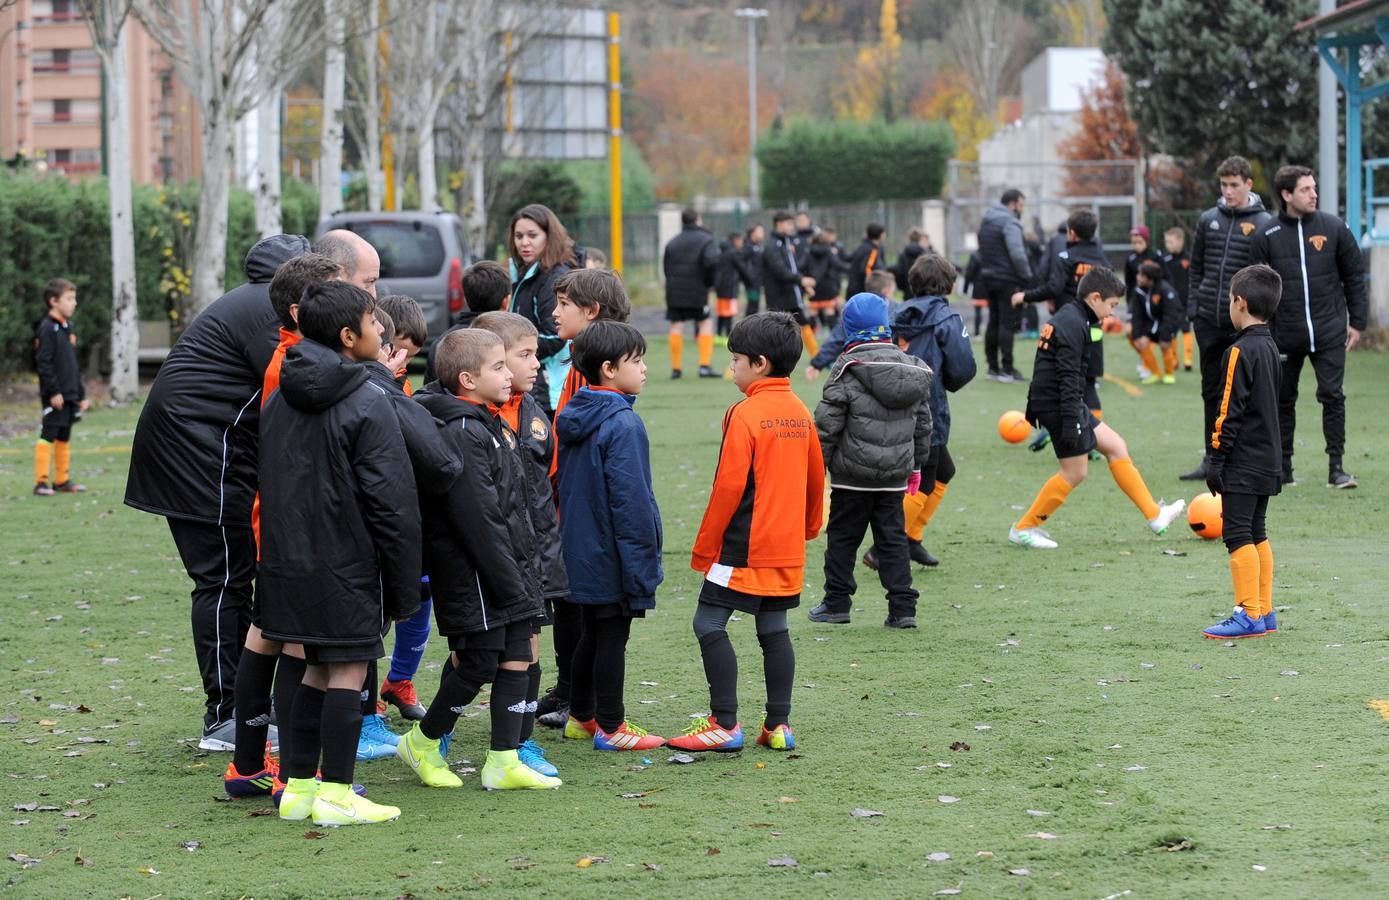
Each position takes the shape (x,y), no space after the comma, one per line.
(1143,372)
(1031,537)
(1167,513)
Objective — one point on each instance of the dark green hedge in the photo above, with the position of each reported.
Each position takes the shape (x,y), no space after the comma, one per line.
(822,162)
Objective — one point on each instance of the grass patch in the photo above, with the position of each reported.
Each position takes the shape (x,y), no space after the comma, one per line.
(1101,730)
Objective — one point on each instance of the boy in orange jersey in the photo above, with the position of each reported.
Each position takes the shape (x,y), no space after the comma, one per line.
(767,501)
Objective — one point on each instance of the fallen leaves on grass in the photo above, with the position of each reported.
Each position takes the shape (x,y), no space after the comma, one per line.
(712,851)
(948,892)
(637,795)
(147,870)
(24,859)
(1042,835)
(312,835)
(191,846)
(946,798)
(681,759)
(81,860)
(783,862)
(1038,812)
(938,856)
(787,800)
(1020,872)
(860,813)
(959,745)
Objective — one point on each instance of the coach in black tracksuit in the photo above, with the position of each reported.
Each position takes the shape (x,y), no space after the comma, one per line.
(1003,269)
(193,461)
(1322,311)
(1224,235)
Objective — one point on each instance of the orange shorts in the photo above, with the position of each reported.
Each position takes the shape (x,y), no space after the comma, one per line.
(726,307)
(824,305)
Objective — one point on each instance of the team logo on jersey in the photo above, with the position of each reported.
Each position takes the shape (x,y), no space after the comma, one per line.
(1317,241)
(1247,228)
(1215,224)
(1186,264)
(509,438)
(539,430)
(1083,269)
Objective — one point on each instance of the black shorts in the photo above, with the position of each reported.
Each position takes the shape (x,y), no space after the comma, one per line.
(322,654)
(512,641)
(796,312)
(618,608)
(57,423)
(1143,326)
(718,595)
(1064,445)
(686,314)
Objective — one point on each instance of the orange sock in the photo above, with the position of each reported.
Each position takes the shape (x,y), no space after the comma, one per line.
(1149,359)
(62,462)
(1049,500)
(1188,343)
(913,506)
(812,346)
(1169,357)
(1265,551)
(1244,571)
(706,349)
(677,343)
(932,503)
(1131,483)
(43,457)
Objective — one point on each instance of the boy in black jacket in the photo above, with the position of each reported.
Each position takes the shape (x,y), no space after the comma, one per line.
(1246,451)
(479,548)
(726,280)
(340,537)
(61,393)
(1056,401)
(1176,266)
(1155,318)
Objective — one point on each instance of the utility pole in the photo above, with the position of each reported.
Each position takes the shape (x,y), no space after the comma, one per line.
(752,15)
(1328,152)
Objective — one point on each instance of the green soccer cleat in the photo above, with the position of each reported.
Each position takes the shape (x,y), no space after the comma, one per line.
(336,805)
(504,771)
(422,754)
(579,729)
(297,799)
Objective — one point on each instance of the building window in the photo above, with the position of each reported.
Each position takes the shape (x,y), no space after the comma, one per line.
(61,157)
(62,110)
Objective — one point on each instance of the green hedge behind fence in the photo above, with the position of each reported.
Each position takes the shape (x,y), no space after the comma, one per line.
(51,227)
(822,162)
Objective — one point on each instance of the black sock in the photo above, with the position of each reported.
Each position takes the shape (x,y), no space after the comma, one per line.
(779,668)
(255,674)
(581,698)
(340,730)
(456,691)
(370,687)
(509,689)
(564,631)
(289,674)
(610,671)
(300,760)
(532,698)
(721,671)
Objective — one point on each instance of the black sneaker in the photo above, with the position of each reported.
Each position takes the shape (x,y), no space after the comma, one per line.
(1288,478)
(708,372)
(1196,474)
(556,718)
(870,559)
(1340,479)
(900,622)
(920,554)
(549,702)
(675,374)
(823,613)
(995,375)
(1014,376)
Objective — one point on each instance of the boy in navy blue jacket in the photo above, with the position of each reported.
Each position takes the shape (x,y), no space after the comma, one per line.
(610,528)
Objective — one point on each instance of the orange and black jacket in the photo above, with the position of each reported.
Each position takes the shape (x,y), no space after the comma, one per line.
(1245,445)
(769,489)
(55,357)
(535,441)
(866,259)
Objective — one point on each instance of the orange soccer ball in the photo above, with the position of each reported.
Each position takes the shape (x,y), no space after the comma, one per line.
(1013,427)
(1206,517)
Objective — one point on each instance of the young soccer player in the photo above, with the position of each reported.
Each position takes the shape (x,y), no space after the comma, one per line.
(61,392)
(610,529)
(824,261)
(765,504)
(486,287)
(874,422)
(882,283)
(536,446)
(1176,265)
(1141,251)
(726,280)
(1056,401)
(595,258)
(1246,451)
(480,550)
(340,541)
(1154,319)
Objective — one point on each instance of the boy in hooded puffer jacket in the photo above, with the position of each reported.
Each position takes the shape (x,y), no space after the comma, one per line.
(874,423)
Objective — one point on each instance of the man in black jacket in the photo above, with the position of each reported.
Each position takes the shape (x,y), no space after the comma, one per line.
(1224,236)
(866,259)
(1003,270)
(1322,311)
(193,461)
(783,278)
(690,263)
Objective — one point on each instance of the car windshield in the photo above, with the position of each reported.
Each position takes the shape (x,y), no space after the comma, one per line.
(407,249)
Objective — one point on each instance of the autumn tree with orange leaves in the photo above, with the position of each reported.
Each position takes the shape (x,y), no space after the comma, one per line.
(1106,132)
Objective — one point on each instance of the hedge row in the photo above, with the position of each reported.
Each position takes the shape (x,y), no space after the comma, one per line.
(824,162)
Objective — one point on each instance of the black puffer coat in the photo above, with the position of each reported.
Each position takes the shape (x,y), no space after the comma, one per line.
(1224,238)
(689,264)
(479,545)
(874,420)
(1323,280)
(1003,262)
(194,453)
(728,275)
(781,275)
(825,263)
(537,445)
(435,468)
(339,522)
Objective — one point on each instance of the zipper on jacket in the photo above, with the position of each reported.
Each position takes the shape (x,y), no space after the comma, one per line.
(1306,293)
(1220,276)
(481,601)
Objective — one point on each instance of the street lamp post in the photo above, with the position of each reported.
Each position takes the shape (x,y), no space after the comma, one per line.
(19,25)
(752,15)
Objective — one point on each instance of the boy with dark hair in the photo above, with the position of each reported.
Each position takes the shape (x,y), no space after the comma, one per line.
(1154,318)
(411,330)
(1140,252)
(480,550)
(1056,401)
(880,283)
(750,266)
(486,287)
(536,446)
(866,259)
(726,280)
(61,392)
(610,529)
(824,261)
(338,509)
(1176,266)
(874,423)
(752,554)
(1246,464)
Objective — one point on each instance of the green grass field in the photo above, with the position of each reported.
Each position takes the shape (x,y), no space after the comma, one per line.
(1111,751)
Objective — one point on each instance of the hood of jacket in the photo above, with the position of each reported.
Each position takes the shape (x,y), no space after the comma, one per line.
(920,315)
(314,377)
(998,213)
(267,255)
(587,411)
(447,408)
(1255,205)
(881,370)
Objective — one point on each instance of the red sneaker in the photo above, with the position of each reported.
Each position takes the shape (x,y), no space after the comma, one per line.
(626,737)
(401,695)
(706,734)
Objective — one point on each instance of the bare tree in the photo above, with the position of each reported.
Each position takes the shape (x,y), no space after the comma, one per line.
(987,41)
(106,21)
(229,59)
(334,87)
(362,106)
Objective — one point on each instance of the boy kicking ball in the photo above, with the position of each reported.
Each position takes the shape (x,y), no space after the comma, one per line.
(1056,402)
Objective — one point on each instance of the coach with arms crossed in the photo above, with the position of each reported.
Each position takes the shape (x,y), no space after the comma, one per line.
(1321,314)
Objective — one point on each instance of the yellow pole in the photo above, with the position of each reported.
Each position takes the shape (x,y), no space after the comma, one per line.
(615,140)
(383,50)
